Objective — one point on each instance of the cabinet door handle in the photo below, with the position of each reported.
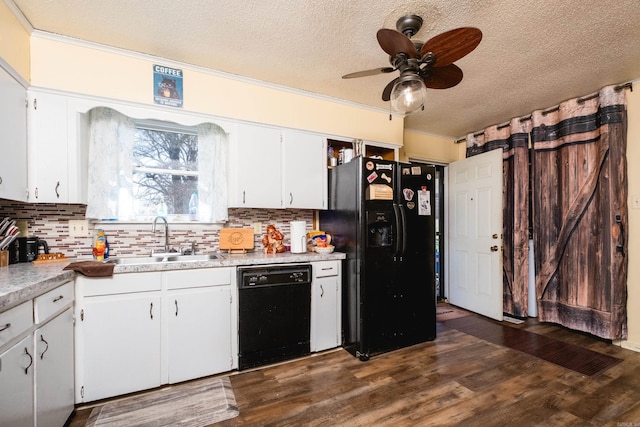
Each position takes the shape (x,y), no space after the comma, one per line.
(5,327)
(57,193)
(46,348)
(176,301)
(243,197)
(321,291)
(35,193)
(26,370)
(0,180)
(151,311)
(290,198)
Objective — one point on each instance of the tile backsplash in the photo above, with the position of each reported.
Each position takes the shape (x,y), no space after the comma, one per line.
(50,221)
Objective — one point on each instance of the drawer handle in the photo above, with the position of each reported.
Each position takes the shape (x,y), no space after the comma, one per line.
(45,350)
(5,327)
(26,370)
(326,268)
(58,298)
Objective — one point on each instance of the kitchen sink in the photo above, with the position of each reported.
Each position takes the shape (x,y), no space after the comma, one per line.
(164,258)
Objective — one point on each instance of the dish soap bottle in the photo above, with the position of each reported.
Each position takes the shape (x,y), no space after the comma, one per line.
(193,206)
(100,245)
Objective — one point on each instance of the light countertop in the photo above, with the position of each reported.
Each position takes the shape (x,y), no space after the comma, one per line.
(24,281)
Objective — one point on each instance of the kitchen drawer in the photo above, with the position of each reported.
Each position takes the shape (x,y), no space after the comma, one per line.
(325,269)
(47,304)
(120,283)
(197,278)
(15,322)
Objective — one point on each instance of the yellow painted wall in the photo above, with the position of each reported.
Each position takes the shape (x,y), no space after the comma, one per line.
(14,42)
(439,149)
(633,174)
(110,73)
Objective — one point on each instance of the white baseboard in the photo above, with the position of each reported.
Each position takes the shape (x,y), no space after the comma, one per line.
(629,345)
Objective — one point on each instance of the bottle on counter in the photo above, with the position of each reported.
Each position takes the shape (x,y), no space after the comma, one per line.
(99,245)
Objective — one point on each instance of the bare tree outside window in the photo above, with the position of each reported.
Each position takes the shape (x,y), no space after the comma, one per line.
(165,172)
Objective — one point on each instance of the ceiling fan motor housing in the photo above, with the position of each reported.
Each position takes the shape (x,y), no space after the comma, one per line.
(409,25)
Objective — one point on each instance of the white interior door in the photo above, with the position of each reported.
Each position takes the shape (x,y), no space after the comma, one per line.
(475,233)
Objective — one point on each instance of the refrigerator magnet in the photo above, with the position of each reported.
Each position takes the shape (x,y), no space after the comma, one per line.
(386,178)
(416,170)
(369,165)
(424,202)
(411,205)
(372,177)
(408,194)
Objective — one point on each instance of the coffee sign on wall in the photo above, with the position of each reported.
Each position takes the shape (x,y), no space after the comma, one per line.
(167,86)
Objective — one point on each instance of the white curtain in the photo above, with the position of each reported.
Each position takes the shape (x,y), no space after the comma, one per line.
(212,177)
(110,165)
(110,184)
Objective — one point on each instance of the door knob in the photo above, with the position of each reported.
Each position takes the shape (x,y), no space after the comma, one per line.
(494,248)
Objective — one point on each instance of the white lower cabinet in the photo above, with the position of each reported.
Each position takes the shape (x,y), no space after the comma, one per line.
(54,370)
(36,372)
(121,343)
(199,333)
(16,384)
(325,305)
(198,328)
(140,330)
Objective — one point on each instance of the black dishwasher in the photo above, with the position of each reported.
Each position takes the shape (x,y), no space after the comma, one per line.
(274,313)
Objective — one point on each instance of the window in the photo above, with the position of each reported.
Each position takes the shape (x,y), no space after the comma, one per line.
(140,169)
(165,172)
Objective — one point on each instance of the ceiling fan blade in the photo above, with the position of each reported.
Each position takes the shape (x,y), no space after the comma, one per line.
(367,73)
(394,42)
(386,93)
(442,77)
(452,45)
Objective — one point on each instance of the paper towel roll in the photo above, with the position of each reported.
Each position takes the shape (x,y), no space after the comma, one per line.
(298,236)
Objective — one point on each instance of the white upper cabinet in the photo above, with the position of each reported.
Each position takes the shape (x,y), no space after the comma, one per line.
(57,161)
(255,170)
(304,176)
(13,122)
(270,168)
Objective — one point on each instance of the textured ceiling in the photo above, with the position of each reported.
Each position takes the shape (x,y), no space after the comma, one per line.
(533,54)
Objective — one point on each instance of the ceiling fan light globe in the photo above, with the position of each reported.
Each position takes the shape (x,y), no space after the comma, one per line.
(408,94)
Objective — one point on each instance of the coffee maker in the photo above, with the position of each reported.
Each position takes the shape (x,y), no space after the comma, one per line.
(26,249)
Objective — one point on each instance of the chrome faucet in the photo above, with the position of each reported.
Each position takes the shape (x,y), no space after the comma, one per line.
(166,231)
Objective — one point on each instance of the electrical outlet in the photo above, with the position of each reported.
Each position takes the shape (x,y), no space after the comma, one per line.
(257,228)
(635,202)
(78,228)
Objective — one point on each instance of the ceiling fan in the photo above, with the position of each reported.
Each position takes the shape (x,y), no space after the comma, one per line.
(421,65)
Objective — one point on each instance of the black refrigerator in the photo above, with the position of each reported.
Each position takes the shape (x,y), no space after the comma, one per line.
(382,215)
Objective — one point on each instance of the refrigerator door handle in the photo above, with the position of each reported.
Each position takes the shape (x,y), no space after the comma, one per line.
(399,234)
(404,229)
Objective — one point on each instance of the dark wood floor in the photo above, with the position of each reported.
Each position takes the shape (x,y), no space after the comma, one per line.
(459,379)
